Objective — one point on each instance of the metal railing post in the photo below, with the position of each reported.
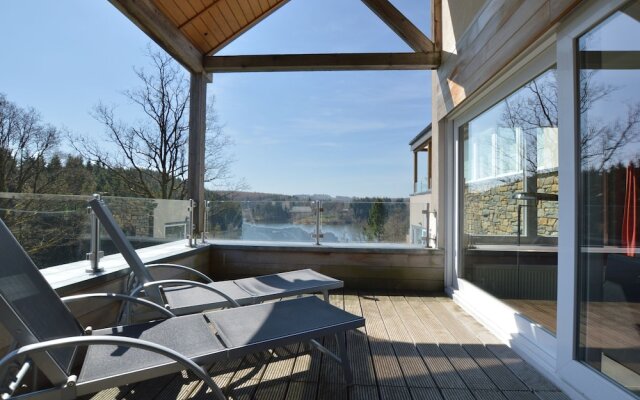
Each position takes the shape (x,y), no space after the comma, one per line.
(427,225)
(96,254)
(318,234)
(427,237)
(207,208)
(191,225)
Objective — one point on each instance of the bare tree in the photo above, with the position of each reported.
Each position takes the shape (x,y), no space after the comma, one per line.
(600,143)
(150,155)
(25,144)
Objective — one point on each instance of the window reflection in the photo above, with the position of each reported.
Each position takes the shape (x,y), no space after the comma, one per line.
(609,265)
(510,217)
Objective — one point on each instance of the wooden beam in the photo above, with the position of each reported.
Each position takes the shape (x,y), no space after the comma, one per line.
(322,62)
(158,27)
(632,10)
(197,133)
(436,23)
(400,25)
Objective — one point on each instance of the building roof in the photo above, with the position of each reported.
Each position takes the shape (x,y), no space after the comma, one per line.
(193,31)
(420,137)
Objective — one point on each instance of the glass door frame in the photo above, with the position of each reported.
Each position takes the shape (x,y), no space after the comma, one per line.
(582,377)
(553,355)
(536,343)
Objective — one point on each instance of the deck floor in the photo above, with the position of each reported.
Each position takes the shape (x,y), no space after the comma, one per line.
(412,347)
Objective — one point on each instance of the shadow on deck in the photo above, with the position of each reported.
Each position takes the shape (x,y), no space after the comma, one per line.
(413,347)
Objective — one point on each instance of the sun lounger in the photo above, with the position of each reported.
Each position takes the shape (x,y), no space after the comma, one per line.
(48,337)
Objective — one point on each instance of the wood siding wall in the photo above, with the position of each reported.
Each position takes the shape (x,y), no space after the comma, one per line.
(501,31)
(362,268)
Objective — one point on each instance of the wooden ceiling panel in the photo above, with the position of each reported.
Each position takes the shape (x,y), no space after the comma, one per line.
(237,11)
(218,16)
(211,24)
(230,16)
(246,9)
(207,31)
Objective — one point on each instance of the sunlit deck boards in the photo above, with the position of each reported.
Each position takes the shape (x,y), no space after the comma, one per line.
(413,347)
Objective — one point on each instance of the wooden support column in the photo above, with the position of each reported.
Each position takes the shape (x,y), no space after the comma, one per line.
(197,130)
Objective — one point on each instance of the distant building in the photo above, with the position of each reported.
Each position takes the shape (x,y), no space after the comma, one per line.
(422,221)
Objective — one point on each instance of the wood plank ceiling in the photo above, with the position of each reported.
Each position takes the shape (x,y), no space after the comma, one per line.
(212,24)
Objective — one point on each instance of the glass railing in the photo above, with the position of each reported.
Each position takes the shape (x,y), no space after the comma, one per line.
(56,229)
(59,229)
(322,222)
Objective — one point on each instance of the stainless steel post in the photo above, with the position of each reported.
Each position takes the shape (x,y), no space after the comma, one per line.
(318,234)
(427,224)
(191,225)
(205,231)
(95,254)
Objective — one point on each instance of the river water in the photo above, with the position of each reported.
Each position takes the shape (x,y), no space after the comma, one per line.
(301,233)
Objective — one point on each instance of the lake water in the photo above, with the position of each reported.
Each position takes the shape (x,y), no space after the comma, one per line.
(301,233)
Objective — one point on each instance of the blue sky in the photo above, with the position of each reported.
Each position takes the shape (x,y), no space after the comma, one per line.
(338,133)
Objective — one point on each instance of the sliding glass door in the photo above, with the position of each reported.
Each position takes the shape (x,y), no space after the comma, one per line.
(608,108)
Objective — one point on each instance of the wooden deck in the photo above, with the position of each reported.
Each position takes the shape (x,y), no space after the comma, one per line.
(413,347)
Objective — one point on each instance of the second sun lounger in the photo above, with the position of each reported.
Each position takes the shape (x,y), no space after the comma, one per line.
(186,297)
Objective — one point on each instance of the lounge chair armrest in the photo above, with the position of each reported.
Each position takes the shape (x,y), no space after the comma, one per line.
(184,268)
(118,297)
(176,282)
(119,341)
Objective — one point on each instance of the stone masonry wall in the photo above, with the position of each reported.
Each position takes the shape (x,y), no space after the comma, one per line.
(489,209)
(135,216)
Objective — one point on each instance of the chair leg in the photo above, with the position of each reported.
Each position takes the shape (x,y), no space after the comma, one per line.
(341,339)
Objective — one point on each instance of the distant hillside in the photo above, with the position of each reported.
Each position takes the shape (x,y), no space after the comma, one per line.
(260,196)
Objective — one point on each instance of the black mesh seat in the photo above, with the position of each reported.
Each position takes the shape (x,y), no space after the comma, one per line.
(48,335)
(185,300)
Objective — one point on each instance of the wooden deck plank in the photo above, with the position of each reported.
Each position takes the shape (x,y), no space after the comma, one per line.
(301,391)
(281,363)
(468,369)
(359,392)
(425,393)
(271,390)
(449,314)
(481,332)
(526,373)
(442,311)
(501,376)
(426,330)
(413,367)
(488,395)
(411,347)
(358,347)
(457,394)
(387,368)
(330,371)
(394,393)
(331,390)
(519,395)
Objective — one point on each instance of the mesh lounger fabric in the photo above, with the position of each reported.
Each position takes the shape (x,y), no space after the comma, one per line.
(189,335)
(253,326)
(186,300)
(242,331)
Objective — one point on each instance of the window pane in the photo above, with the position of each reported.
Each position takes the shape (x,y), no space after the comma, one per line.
(609,266)
(510,218)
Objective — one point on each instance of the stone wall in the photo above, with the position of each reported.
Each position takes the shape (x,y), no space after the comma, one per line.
(135,216)
(489,209)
